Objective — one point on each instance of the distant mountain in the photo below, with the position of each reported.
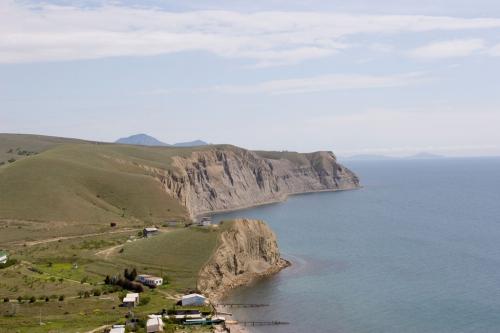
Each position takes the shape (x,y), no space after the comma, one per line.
(141,139)
(194,143)
(147,140)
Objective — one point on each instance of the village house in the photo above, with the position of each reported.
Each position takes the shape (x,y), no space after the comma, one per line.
(193,299)
(149,280)
(4,257)
(117,329)
(150,231)
(131,300)
(154,324)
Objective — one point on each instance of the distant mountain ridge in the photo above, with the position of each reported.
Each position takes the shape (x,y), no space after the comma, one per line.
(147,140)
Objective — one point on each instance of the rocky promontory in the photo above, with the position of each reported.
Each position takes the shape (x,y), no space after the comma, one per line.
(246,250)
(227,177)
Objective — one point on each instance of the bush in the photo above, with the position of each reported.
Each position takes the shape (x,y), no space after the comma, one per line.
(61,298)
(19,299)
(144,300)
(96,292)
(47,299)
(86,294)
(6,300)
(12,160)
(32,299)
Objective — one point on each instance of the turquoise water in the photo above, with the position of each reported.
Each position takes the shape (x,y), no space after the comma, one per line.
(416,250)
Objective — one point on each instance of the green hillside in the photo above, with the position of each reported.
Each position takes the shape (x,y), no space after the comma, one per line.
(86,182)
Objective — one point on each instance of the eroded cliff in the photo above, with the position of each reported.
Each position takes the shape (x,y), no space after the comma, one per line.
(246,250)
(227,177)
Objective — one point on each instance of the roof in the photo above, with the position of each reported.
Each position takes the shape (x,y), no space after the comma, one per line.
(192,296)
(135,295)
(151,229)
(117,330)
(129,300)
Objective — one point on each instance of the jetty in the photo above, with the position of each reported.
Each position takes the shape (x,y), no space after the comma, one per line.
(257,323)
(242,305)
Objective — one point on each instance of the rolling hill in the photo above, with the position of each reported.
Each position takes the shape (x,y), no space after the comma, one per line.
(91,183)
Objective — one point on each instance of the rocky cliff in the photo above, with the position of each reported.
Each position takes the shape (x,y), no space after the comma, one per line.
(227,177)
(246,250)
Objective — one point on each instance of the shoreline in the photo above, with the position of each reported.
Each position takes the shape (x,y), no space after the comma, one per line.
(233,325)
(211,213)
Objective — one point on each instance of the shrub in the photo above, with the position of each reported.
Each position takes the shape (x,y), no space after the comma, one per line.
(61,298)
(96,292)
(6,300)
(144,300)
(11,160)
(32,299)
(19,299)
(86,294)
(47,299)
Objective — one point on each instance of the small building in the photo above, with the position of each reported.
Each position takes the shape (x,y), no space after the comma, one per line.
(4,257)
(154,324)
(205,221)
(117,329)
(150,231)
(131,299)
(149,280)
(193,299)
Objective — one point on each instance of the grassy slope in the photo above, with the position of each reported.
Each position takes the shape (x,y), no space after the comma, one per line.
(91,183)
(180,254)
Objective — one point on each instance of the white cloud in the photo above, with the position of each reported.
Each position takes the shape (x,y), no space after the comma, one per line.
(448,49)
(55,33)
(323,83)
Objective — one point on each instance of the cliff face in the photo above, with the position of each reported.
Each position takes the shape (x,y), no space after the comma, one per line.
(248,249)
(229,178)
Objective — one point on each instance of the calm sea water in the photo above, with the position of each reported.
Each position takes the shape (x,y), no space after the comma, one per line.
(416,250)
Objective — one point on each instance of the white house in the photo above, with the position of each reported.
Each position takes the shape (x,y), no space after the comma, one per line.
(131,299)
(149,280)
(4,257)
(151,231)
(117,329)
(154,324)
(193,299)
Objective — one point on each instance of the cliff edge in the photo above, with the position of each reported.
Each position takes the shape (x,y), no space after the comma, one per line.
(227,177)
(247,250)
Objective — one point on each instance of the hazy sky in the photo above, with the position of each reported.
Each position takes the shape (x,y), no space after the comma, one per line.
(361,76)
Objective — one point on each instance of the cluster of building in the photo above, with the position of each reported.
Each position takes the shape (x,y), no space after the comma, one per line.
(186,316)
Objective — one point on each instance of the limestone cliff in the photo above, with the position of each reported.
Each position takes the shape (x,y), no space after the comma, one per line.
(246,250)
(227,177)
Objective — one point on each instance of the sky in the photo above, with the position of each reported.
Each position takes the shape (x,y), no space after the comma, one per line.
(355,77)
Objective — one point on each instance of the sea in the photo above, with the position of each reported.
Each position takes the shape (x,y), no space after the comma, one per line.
(416,249)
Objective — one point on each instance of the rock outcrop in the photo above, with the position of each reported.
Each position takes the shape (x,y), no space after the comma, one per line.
(226,177)
(246,250)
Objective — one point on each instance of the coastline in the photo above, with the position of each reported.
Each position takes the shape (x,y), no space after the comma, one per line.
(215,298)
(284,198)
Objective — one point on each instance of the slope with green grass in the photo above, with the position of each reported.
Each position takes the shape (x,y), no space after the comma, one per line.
(89,183)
